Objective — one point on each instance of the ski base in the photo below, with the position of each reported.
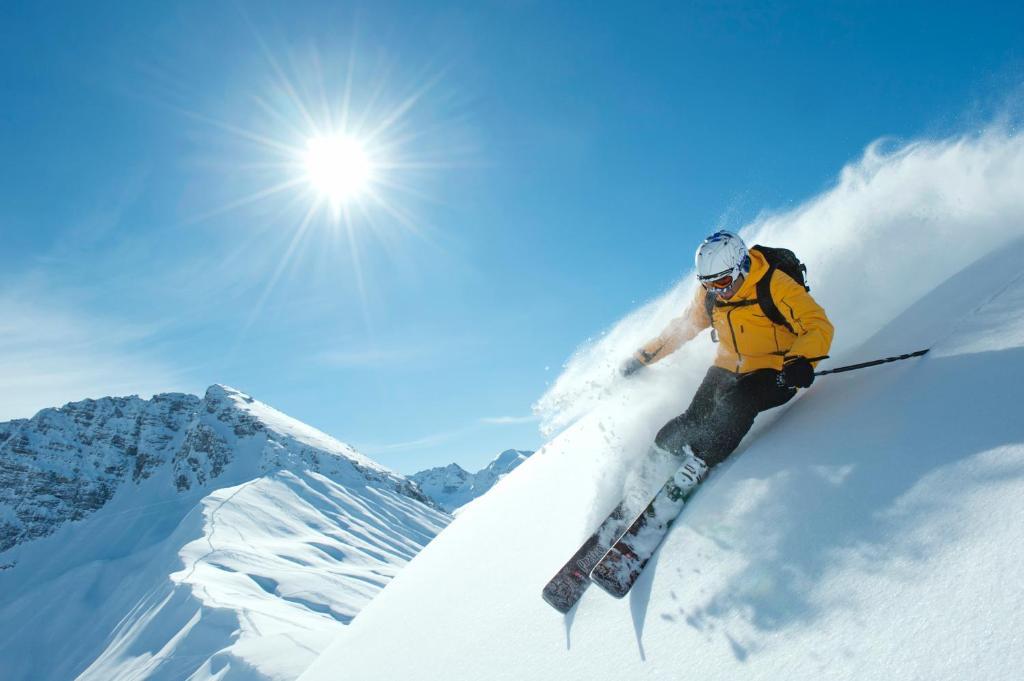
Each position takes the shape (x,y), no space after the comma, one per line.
(566,588)
(621,566)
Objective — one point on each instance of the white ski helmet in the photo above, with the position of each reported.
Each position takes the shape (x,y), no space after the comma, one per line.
(721,255)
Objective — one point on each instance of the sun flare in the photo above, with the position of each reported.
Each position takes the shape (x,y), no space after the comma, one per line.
(338,167)
(337,159)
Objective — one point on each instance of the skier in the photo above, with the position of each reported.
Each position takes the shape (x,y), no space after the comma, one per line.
(771,334)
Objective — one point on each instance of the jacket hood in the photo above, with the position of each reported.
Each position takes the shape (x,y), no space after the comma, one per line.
(758,268)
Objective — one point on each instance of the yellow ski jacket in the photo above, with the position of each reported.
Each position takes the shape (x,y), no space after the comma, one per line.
(748,340)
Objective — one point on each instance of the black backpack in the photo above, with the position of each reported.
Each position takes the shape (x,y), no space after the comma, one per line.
(778,259)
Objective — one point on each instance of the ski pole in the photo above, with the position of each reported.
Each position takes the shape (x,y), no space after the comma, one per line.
(876,362)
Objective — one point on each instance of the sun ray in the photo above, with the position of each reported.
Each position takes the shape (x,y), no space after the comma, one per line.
(403,108)
(346,96)
(282,78)
(296,239)
(409,190)
(243,250)
(247,200)
(394,212)
(248,135)
(349,155)
(357,269)
(281,117)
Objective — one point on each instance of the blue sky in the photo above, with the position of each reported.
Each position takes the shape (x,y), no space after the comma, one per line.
(549,167)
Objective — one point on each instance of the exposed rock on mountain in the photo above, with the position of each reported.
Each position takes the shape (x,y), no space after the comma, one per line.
(65,463)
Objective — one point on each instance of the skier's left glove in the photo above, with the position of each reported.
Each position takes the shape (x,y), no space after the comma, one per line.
(631,366)
(796,373)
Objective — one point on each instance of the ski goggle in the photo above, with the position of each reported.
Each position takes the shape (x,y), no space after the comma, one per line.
(718,282)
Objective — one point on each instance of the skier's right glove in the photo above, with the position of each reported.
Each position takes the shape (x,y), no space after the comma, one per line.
(797,373)
(631,366)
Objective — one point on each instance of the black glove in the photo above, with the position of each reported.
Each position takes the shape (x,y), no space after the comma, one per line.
(631,366)
(796,373)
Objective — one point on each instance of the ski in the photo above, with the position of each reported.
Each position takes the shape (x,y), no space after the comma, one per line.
(619,568)
(566,588)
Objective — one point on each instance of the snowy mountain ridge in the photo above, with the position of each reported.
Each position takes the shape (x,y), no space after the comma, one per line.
(65,463)
(185,537)
(452,487)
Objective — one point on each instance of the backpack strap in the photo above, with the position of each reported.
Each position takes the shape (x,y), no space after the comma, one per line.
(768,306)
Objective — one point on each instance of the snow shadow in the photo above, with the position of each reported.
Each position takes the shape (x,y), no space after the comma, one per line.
(840,492)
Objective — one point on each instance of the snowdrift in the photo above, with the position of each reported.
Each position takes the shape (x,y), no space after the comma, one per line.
(870,529)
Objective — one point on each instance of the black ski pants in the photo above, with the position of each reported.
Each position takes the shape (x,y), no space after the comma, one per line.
(722,411)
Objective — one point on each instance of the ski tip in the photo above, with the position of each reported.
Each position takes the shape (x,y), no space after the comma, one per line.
(560,607)
(609,586)
(558,601)
(613,590)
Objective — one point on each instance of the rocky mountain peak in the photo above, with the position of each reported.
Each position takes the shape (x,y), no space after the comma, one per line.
(452,486)
(64,463)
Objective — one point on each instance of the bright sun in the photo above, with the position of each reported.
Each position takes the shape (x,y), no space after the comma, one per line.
(338,167)
(342,163)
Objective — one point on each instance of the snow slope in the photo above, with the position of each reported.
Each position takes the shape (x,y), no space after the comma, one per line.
(870,530)
(452,487)
(187,538)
